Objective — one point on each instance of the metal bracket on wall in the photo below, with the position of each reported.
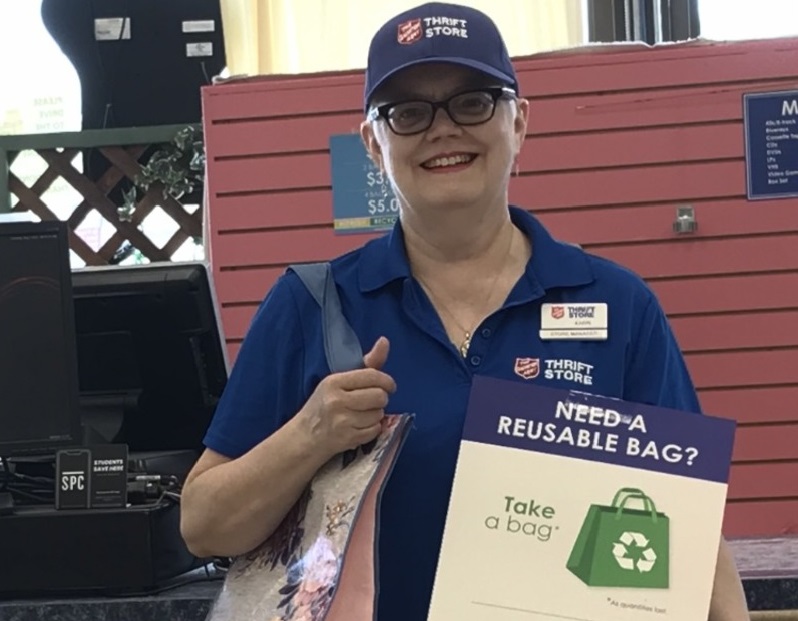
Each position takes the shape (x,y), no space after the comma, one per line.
(685,221)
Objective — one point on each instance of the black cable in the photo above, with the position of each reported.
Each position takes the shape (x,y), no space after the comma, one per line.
(31,488)
(18,492)
(208,577)
(46,481)
(153,488)
(26,481)
(109,78)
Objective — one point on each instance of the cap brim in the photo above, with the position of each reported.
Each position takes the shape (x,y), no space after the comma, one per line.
(463,62)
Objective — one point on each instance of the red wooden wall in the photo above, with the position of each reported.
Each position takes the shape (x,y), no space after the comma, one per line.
(618,137)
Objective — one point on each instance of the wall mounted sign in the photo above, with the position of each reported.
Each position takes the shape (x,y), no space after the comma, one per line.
(363,200)
(771,144)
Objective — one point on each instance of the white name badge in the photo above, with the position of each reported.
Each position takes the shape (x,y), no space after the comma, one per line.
(582,322)
(199,25)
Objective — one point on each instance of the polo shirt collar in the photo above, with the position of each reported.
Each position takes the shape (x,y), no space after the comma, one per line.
(553,263)
(383,260)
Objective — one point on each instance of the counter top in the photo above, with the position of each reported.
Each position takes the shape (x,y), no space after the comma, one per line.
(769,568)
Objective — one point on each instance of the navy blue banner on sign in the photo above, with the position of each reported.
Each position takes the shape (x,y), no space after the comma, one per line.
(576,424)
(363,200)
(771,144)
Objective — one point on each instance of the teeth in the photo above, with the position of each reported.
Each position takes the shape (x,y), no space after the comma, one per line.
(453,160)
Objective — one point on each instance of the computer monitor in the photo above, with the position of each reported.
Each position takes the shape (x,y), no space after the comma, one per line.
(38,372)
(151,354)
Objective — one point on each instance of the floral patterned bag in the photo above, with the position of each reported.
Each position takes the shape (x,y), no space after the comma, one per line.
(319,563)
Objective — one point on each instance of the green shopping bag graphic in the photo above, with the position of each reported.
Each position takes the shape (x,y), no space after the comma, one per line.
(621,546)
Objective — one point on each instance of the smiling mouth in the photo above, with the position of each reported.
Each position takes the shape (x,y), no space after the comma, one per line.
(449,161)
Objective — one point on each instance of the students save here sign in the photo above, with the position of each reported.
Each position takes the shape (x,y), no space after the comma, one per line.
(567,505)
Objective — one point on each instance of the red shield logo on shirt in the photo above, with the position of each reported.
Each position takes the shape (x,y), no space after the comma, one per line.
(558,312)
(409,32)
(528,368)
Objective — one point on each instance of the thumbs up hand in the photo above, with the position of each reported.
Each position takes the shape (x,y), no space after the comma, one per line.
(346,409)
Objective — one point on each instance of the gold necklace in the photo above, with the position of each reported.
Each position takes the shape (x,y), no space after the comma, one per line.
(464,346)
(466,343)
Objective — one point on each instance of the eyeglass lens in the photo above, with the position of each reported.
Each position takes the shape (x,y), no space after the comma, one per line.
(464,109)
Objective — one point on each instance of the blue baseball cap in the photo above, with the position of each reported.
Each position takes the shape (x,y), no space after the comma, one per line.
(438,32)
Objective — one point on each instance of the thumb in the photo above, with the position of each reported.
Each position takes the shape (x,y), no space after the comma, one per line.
(375,359)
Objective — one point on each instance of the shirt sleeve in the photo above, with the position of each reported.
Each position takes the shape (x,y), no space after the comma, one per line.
(656,372)
(266,386)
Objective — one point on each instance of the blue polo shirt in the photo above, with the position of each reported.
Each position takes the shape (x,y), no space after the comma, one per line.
(282,360)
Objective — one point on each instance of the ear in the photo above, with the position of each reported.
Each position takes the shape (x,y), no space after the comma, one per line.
(521,121)
(371,143)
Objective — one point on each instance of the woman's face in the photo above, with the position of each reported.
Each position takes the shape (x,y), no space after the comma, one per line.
(448,166)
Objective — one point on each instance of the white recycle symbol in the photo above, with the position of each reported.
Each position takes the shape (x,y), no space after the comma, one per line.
(620,549)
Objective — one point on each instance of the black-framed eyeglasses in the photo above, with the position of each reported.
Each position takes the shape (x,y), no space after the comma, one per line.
(415,116)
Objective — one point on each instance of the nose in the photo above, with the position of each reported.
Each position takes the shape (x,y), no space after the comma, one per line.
(442,125)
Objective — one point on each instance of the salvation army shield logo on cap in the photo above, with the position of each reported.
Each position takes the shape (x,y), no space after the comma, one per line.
(558,312)
(409,32)
(528,368)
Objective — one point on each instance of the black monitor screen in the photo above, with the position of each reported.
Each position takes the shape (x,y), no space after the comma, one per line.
(38,378)
(151,354)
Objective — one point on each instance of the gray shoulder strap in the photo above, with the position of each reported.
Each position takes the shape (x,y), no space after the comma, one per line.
(341,345)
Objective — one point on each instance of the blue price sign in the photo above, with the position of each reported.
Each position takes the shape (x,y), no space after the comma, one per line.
(771,144)
(363,200)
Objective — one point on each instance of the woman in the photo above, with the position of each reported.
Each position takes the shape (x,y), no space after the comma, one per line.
(457,288)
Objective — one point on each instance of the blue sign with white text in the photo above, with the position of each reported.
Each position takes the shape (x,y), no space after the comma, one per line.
(363,200)
(574,424)
(771,144)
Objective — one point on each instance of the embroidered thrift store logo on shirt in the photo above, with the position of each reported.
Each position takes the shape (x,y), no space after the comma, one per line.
(528,368)
(569,371)
(411,31)
(560,369)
